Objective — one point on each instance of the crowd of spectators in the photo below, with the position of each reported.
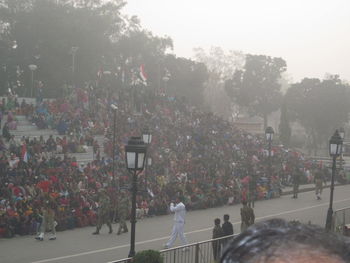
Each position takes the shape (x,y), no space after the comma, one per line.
(209,160)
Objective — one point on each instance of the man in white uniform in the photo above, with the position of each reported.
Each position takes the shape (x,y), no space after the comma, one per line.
(178,229)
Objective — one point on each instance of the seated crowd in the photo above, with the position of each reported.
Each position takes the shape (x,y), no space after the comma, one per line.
(208,159)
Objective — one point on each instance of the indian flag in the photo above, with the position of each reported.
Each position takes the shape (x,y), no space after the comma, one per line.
(143,75)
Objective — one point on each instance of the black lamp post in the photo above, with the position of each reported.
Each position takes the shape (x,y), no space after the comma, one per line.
(32,68)
(335,150)
(147,139)
(114,108)
(342,136)
(73,52)
(269,132)
(135,155)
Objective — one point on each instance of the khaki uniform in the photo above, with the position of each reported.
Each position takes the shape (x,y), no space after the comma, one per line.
(296,182)
(123,214)
(247,217)
(319,178)
(104,213)
(48,219)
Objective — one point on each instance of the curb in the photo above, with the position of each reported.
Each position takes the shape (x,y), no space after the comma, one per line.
(309,189)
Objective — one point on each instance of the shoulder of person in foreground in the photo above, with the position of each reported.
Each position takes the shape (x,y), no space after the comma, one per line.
(278,241)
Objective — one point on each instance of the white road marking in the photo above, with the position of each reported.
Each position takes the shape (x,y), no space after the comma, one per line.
(187,233)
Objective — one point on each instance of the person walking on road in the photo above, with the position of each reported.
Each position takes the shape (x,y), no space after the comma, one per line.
(123,214)
(179,222)
(319,179)
(296,182)
(247,216)
(103,215)
(48,218)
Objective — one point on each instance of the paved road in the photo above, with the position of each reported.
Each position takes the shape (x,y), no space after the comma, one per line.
(79,245)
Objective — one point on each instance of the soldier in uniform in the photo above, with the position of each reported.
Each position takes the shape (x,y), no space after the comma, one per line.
(104,212)
(252,191)
(319,178)
(247,216)
(48,218)
(296,182)
(123,214)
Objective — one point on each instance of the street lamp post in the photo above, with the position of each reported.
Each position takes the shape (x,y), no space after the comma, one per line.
(73,51)
(135,153)
(269,132)
(114,108)
(147,139)
(32,68)
(335,150)
(342,136)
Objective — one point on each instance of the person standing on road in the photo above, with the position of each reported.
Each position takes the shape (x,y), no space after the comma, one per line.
(227,228)
(247,216)
(319,178)
(217,233)
(123,214)
(296,182)
(103,215)
(179,222)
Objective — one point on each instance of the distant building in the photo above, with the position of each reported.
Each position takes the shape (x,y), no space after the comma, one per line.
(254,125)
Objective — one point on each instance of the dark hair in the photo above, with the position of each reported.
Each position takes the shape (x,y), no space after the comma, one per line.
(226,217)
(276,238)
(217,221)
(181,198)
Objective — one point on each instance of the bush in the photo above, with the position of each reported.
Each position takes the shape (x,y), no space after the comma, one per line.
(148,256)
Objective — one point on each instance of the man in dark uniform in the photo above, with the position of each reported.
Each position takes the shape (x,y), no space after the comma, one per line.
(247,216)
(123,214)
(217,232)
(104,212)
(227,228)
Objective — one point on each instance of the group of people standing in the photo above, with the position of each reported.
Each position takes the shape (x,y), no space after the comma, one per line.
(226,229)
(104,213)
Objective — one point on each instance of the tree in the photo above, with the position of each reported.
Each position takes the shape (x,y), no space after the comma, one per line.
(284,127)
(220,65)
(256,87)
(148,256)
(320,107)
(187,79)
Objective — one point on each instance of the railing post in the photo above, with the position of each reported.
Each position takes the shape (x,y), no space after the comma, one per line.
(196,255)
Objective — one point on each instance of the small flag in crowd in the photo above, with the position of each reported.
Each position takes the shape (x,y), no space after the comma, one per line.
(24,153)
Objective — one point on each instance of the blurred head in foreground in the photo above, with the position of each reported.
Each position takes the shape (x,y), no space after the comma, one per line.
(278,241)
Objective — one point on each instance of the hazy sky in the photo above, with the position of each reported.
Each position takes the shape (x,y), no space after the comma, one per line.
(313,36)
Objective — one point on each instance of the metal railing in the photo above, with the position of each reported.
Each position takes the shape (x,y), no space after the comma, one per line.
(341,219)
(200,252)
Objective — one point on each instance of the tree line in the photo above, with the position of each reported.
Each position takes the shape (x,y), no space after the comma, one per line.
(74,42)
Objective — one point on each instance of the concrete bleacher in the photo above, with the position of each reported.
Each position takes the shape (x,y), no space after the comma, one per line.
(28,129)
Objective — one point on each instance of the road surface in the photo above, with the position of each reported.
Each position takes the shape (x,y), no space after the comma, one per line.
(79,245)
